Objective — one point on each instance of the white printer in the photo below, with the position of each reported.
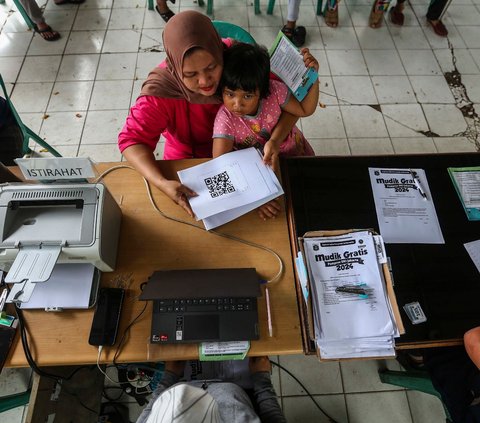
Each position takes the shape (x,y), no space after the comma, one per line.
(41,225)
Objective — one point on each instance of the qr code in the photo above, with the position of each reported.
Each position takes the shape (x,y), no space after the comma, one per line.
(219,185)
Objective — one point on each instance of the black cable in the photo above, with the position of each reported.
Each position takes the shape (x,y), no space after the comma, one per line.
(105,395)
(305,389)
(125,332)
(80,401)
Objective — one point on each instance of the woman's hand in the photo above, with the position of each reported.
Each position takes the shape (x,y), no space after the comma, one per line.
(270,154)
(269,210)
(178,193)
(309,60)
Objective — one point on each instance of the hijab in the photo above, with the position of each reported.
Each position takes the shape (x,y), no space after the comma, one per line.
(184,31)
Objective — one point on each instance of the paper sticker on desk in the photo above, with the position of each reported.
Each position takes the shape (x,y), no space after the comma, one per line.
(216,351)
(415,313)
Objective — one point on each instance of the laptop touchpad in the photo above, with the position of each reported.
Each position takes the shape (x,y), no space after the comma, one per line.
(201,327)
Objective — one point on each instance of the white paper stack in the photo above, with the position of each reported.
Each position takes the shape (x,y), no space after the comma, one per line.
(350,324)
(230,186)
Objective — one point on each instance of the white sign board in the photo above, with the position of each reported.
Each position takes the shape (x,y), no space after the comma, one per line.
(56,168)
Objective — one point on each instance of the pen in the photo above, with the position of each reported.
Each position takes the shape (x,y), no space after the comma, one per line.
(417,184)
(350,289)
(269,313)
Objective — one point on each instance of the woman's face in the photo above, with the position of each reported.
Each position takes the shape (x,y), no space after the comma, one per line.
(201,73)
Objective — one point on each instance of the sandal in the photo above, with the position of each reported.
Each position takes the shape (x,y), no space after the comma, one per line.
(167,15)
(296,36)
(396,16)
(438,27)
(48,34)
(376,17)
(331,17)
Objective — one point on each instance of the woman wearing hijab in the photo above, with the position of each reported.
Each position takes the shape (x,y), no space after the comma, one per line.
(179,100)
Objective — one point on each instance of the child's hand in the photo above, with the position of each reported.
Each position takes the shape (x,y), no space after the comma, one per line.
(179,194)
(269,210)
(270,155)
(309,60)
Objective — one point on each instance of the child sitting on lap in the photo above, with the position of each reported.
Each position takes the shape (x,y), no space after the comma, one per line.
(252,104)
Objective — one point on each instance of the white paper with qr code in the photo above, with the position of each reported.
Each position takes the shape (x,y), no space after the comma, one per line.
(230,186)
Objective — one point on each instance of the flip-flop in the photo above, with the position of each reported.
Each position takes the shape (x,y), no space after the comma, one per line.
(43,33)
(396,16)
(376,17)
(331,17)
(165,16)
(69,2)
(438,27)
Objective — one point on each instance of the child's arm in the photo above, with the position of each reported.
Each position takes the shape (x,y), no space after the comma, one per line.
(221,146)
(309,103)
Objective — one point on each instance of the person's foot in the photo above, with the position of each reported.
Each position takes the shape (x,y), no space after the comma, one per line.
(331,17)
(295,35)
(46,32)
(438,27)
(375,19)
(396,15)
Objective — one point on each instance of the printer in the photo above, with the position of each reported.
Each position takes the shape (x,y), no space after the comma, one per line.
(42,224)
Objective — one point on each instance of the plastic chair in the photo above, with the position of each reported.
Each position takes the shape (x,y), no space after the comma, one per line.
(27,133)
(229,30)
(415,380)
(13,401)
(20,8)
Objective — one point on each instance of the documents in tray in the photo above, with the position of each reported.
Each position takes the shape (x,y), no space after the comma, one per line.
(404,205)
(466,181)
(230,186)
(352,313)
(287,63)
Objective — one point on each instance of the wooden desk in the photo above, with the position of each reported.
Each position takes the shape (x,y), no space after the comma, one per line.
(335,193)
(150,242)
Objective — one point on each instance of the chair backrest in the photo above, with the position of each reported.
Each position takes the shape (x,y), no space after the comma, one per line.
(229,30)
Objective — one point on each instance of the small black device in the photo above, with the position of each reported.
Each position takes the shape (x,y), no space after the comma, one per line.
(107,316)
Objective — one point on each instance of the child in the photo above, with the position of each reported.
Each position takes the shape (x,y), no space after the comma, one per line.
(252,104)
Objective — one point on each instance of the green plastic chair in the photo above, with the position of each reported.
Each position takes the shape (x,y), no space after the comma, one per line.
(27,133)
(412,379)
(229,30)
(20,8)
(14,401)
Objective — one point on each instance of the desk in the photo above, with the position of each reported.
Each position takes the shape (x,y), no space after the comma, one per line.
(149,242)
(335,193)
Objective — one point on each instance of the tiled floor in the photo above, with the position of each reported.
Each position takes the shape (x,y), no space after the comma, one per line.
(385,91)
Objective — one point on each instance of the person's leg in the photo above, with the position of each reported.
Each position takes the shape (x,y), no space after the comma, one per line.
(164,10)
(331,13)
(376,15)
(433,17)
(36,14)
(295,33)
(396,13)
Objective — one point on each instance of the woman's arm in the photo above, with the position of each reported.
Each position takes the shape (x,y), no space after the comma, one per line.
(142,159)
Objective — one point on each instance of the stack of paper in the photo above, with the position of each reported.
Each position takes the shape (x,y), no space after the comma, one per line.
(352,313)
(230,186)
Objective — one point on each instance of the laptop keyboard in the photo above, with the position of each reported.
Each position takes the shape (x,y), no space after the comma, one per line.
(205,304)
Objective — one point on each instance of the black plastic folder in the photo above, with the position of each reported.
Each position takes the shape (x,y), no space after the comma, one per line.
(203,305)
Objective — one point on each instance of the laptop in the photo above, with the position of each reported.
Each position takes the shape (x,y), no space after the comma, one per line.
(203,305)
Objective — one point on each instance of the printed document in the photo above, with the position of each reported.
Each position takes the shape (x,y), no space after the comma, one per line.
(404,205)
(466,181)
(230,186)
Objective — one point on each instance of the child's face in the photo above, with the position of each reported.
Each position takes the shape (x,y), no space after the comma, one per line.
(241,102)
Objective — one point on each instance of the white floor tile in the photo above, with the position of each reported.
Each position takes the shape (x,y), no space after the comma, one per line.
(39,46)
(425,408)
(404,120)
(444,119)
(237,15)
(303,410)
(363,122)
(470,35)
(40,69)
(10,68)
(409,37)
(354,90)
(328,94)
(454,38)
(15,381)
(464,61)
(73,96)
(126,19)
(455,145)
(333,39)
(359,14)
(117,66)
(78,67)
(122,40)
(370,146)
(100,152)
(31,97)
(324,123)
(84,42)
(317,377)
(102,127)
(419,145)
(389,407)
(472,85)
(374,38)
(383,62)
(393,89)
(346,62)
(14,44)
(63,128)
(151,40)
(330,147)
(461,14)
(111,95)
(420,62)
(91,19)
(431,89)
(15,415)
(60,19)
